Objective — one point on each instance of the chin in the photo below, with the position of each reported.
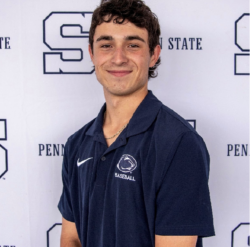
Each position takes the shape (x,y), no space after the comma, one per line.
(123,91)
(120,92)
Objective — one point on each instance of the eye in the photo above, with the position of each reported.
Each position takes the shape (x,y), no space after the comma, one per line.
(105,46)
(133,45)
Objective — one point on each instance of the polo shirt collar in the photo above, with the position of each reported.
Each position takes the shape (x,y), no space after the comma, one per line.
(141,120)
(144,115)
(96,127)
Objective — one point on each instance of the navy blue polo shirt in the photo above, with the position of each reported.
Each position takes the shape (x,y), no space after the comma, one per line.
(152,180)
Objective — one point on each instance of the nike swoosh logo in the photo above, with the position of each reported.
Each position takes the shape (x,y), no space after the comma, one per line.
(80,163)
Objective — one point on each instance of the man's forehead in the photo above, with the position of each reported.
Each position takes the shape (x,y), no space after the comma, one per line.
(120,30)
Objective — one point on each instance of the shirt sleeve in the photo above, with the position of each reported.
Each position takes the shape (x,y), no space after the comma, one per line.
(183,204)
(64,204)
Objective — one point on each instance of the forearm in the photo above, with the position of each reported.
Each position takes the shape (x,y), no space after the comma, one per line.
(69,236)
(66,242)
(175,241)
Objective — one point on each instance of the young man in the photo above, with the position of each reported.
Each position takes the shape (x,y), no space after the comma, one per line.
(137,175)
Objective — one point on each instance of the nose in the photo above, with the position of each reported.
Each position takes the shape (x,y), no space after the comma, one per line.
(119,57)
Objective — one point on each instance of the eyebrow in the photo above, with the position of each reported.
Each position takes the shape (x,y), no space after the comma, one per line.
(128,38)
(135,37)
(104,37)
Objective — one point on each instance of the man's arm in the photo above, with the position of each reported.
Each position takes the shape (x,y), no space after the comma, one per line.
(175,241)
(69,236)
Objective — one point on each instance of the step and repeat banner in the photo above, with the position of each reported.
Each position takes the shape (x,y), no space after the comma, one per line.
(48,90)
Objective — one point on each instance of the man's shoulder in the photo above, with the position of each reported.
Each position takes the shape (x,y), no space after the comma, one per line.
(77,138)
(173,129)
(172,122)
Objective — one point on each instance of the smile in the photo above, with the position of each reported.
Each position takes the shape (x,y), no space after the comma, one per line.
(119,73)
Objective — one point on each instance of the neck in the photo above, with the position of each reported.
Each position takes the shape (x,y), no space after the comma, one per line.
(120,109)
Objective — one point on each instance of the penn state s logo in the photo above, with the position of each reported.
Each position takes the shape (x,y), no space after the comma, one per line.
(127,163)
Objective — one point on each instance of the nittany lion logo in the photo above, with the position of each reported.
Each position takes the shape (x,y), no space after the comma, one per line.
(127,163)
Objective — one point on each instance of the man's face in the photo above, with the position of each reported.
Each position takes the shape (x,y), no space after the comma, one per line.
(121,57)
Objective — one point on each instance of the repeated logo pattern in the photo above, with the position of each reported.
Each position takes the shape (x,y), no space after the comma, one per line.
(53,235)
(241,235)
(3,150)
(241,60)
(66,35)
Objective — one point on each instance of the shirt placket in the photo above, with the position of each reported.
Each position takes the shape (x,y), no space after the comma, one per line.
(105,161)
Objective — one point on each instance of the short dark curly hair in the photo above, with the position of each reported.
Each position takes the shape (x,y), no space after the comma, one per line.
(136,12)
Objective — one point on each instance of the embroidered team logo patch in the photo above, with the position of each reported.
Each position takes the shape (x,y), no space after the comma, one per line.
(127,163)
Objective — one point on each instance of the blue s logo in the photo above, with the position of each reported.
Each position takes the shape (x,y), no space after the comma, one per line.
(241,60)
(66,36)
(3,150)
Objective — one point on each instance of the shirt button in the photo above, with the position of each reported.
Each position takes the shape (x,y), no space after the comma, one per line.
(103,158)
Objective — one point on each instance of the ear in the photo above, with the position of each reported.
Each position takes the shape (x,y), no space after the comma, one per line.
(155,56)
(91,54)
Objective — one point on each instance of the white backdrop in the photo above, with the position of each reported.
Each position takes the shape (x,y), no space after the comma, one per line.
(204,76)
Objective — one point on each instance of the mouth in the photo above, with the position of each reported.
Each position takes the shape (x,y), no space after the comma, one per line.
(119,73)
